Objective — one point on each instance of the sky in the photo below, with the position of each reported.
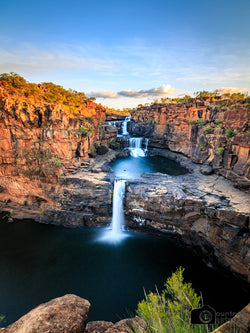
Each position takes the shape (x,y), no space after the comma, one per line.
(127,53)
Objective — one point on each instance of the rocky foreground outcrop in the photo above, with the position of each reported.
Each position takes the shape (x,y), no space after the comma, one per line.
(205,130)
(69,314)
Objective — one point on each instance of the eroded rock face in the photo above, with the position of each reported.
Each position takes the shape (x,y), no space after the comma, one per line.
(64,314)
(204,130)
(41,143)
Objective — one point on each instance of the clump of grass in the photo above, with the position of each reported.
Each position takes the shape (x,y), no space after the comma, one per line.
(191,122)
(219,151)
(85,130)
(208,130)
(229,133)
(201,122)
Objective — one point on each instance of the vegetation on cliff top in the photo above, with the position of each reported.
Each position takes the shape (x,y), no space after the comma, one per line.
(204,94)
(47,92)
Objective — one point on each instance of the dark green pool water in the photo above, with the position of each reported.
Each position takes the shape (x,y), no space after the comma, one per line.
(133,167)
(39,262)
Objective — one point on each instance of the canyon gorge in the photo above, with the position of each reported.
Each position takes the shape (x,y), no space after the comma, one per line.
(55,168)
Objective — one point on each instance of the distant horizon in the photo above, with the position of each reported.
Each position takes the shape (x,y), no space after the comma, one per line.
(128,53)
(158,93)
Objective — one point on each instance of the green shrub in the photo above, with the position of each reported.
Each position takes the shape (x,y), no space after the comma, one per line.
(85,130)
(56,161)
(170,311)
(202,147)
(229,133)
(219,151)
(208,130)
(151,121)
(191,121)
(201,122)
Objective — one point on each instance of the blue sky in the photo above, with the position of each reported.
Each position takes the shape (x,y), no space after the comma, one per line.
(133,51)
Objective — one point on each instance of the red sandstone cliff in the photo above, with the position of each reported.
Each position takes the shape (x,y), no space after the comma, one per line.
(204,130)
(38,140)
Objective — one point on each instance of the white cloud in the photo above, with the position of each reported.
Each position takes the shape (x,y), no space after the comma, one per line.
(103,94)
(163,91)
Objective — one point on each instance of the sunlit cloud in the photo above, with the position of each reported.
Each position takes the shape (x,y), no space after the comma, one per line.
(103,94)
(163,91)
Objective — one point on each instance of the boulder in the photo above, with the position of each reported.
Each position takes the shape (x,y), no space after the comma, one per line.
(130,325)
(206,170)
(98,326)
(63,314)
(102,149)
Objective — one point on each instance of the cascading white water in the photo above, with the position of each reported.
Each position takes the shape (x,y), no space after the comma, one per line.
(135,147)
(118,214)
(124,126)
(146,145)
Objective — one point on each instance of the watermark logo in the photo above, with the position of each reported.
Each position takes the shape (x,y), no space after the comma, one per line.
(205,315)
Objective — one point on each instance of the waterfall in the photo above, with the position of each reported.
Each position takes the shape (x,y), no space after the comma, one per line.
(124,126)
(146,145)
(135,147)
(118,214)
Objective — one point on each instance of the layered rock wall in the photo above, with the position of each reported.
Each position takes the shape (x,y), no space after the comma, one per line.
(40,142)
(216,132)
